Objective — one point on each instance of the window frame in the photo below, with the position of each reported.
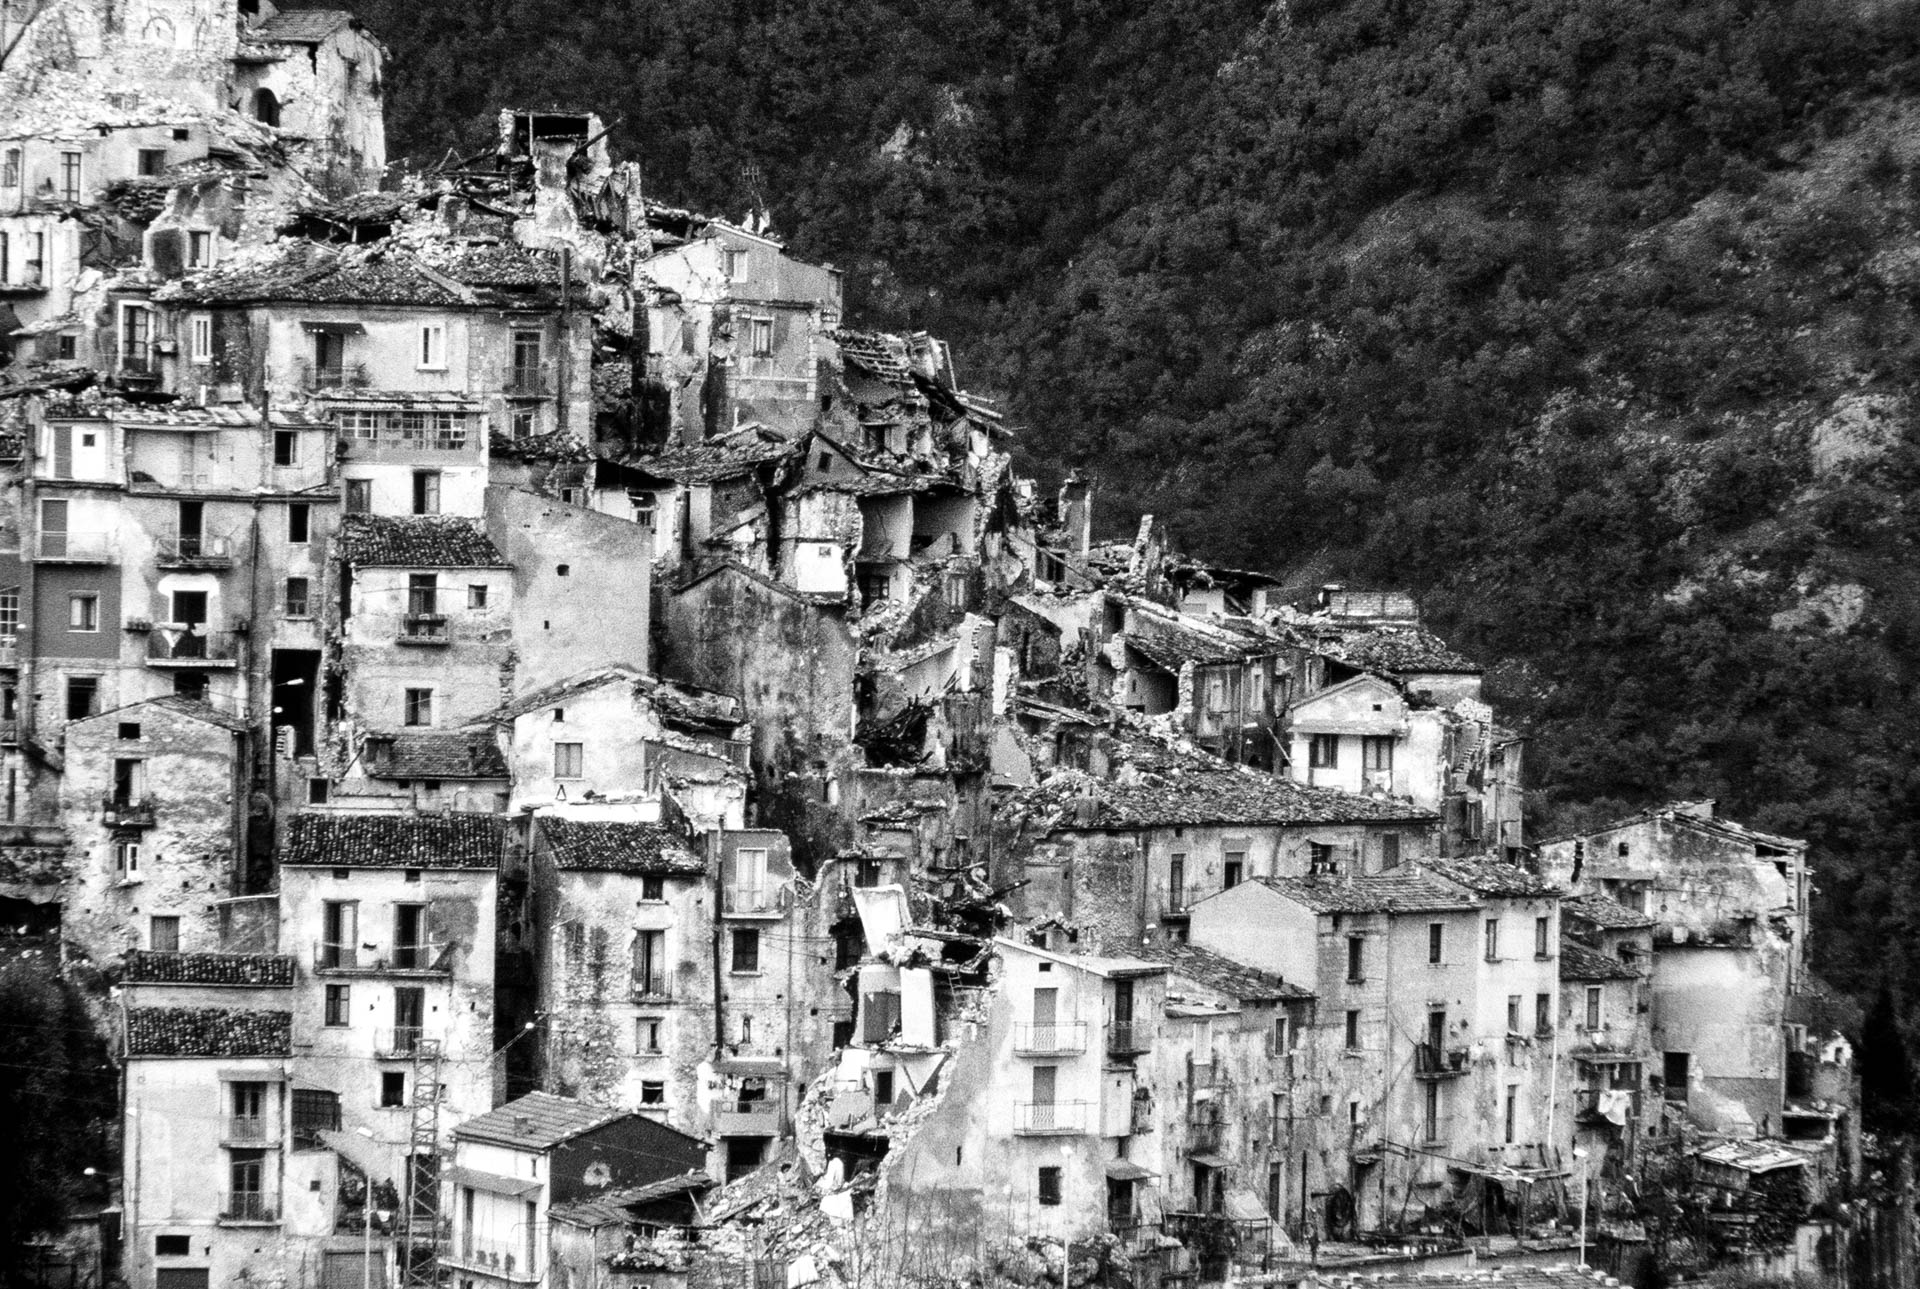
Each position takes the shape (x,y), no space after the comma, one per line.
(302,607)
(743,936)
(200,338)
(569,760)
(431,355)
(416,706)
(83,612)
(1323,751)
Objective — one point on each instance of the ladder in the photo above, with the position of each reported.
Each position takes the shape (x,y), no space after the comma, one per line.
(420,1247)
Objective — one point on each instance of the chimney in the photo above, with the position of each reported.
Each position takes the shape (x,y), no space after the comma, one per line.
(523,1125)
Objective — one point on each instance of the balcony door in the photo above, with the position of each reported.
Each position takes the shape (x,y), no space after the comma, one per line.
(193,514)
(1046,1015)
(409,1016)
(329,358)
(190,617)
(1045,1090)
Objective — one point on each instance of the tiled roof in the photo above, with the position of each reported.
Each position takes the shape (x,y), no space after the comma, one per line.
(679,705)
(1688,814)
(1486,875)
(1397,892)
(1565,1276)
(1200,797)
(1605,913)
(1578,962)
(439,756)
(418,541)
(878,354)
(191,707)
(301,26)
(537,1121)
(443,274)
(208,1031)
(608,846)
(1222,974)
(263,970)
(724,456)
(1397,650)
(353,839)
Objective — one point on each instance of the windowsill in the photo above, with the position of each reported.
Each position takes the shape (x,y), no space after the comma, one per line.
(732,972)
(129,881)
(1543,957)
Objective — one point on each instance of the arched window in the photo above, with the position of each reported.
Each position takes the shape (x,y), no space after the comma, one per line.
(266,107)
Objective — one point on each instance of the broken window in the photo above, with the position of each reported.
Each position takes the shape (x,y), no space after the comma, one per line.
(647,1033)
(286,447)
(477,596)
(339,933)
(266,107)
(393,1089)
(136,338)
(760,337)
(1376,754)
(423,593)
(315,1110)
(83,697)
(152,161)
(409,936)
(83,612)
(653,1092)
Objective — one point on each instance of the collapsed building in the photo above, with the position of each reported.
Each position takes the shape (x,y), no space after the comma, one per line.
(601,772)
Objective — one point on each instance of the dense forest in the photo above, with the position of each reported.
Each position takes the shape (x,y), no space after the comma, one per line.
(1592,321)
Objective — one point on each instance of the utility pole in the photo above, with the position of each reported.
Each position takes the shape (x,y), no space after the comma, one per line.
(423,1171)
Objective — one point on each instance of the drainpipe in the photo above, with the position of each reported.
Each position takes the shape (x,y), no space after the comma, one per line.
(719,977)
(563,365)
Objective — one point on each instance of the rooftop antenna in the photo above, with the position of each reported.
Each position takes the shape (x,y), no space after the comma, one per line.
(757,217)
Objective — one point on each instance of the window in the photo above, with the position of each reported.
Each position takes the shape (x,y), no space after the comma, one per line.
(526,363)
(1356,958)
(130,731)
(647,1034)
(1432,1113)
(69,347)
(1493,939)
(1543,1013)
(1323,751)
(1353,1031)
(1436,941)
(760,337)
(286,447)
(568,760)
(426,492)
(423,593)
(1389,850)
(1512,1115)
(1234,869)
(419,707)
(433,347)
(152,161)
(315,1110)
(410,948)
(339,933)
(10,168)
(296,603)
(299,516)
(70,176)
(200,338)
(199,248)
(266,107)
(339,1006)
(129,779)
(522,423)
(746,951)
(83,612)
(359,496)
(1376,753)
(393,1089)
(163,934)
(171,1246)
(1320,857)
(653,888)
(318,791)
(126,860)
(1593,1007)
(650,963)
(136,337)
(1513,1013)
(83,697)
(746,1031)
(1542,937)
(476,597)
(653,1092)
(1049,1185)
(735,262)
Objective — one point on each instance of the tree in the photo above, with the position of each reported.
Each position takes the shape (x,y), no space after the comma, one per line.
(1886,1069)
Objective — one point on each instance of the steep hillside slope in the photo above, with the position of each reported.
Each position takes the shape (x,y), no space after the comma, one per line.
(1593,322)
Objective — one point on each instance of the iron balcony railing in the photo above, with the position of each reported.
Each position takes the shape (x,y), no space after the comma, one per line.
(1177,900)
(504,1259)
(249,1127)
(400,1042)
(118,811)
(426,957)
(1050,1118)
(198,550)
(333,375)
(750,899)
(1128,1037)
(192,648)
(529,380)
(1059,1038)
(248,1206)
(425,628)
(1432,1062)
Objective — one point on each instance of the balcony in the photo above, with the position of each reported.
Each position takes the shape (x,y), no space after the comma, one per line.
(246,1130)
(316,376)
(1129,1038)
(425,629)
(195,552)
(502,1259)
(748,1118)
(1205,1131)
(117,811)
(1050,1118)
(1591,1112)
(75,548)
(1176,901)
(750,901)
(1065,1038)
(248,1208)
(401,1042)
(1431,1062)
(529,380)
(216,650)
(406,959)
(652,991)
(143,363)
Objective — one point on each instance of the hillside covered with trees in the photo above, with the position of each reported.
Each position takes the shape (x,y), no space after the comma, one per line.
(1593,323)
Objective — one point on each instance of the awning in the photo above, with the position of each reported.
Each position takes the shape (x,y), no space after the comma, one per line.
(335,328)
(1125,1170)
(492,1183)
(1209,1160)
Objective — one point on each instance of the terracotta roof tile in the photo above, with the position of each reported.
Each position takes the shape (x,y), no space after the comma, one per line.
(1603,912)
(263,970)
(208,1031)
(369,840)
(1486,875)
(1396,651)
(420,541)
(1405,891)
(301,26)
(1222,974)
(609,846)
(537,1121)
(1578,962)
(439,756)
